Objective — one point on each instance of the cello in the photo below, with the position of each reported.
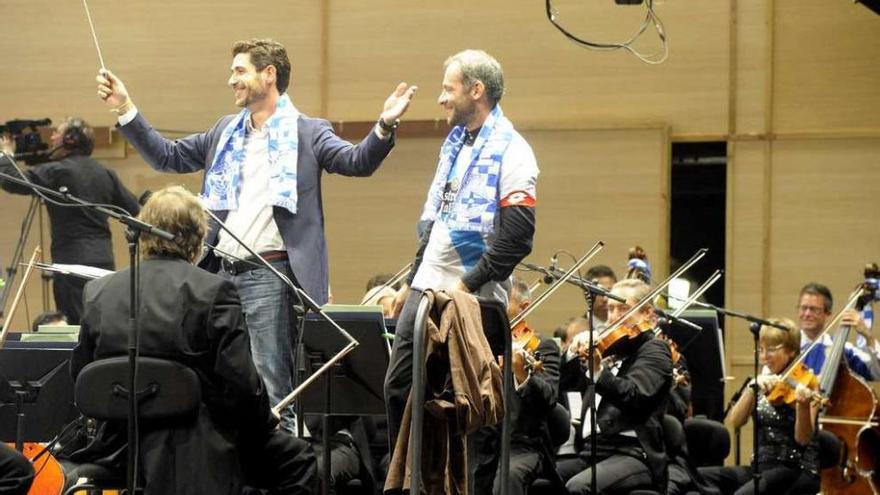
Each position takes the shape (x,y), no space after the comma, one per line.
(853,408)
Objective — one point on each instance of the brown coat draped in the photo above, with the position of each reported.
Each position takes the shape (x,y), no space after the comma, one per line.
(463,394)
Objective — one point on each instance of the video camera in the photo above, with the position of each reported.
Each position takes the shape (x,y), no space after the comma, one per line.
(28,143)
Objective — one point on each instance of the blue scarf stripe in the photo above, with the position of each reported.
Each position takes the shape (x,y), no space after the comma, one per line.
(223,177)
(475,204)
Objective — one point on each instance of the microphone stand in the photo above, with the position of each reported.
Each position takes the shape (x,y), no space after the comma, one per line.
(590,291)
(552,273)
(133,232)
(736,432)
(309,304)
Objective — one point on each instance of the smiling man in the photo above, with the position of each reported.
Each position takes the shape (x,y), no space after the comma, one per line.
(479,218)
(263,171)
(813,312)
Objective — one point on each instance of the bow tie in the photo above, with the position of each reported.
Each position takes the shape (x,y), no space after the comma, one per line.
(471,136)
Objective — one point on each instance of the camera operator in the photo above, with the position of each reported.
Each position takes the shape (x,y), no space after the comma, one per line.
(79,236)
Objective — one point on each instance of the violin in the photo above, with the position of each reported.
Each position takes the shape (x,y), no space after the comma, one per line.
(621,334)
(784,391)
(526,343)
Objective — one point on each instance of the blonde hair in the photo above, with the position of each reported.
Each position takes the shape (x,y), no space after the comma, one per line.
(636,288)
(179,212)
(789,339)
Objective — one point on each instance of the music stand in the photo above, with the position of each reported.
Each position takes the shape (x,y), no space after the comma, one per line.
(40,389)
(704,353)
(355,385)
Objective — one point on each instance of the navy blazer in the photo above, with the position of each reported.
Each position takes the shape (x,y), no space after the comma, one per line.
(320,149)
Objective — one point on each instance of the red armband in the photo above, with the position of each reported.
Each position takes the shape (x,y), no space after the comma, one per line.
(518,198)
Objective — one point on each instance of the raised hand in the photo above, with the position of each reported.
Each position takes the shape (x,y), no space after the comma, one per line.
(111,89)
(397,103)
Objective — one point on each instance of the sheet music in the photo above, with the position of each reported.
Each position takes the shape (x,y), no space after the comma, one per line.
(84,271)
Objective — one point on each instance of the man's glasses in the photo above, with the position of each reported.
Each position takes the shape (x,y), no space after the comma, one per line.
(816,310)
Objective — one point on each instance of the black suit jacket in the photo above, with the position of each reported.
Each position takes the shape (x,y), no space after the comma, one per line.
(635,399)
(537,397)
(194,317)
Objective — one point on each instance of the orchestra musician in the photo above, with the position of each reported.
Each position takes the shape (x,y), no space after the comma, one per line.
(535,363)
(632,385)
(194,317)
(786,447)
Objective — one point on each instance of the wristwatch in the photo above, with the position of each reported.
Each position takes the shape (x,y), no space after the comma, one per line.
(388,128)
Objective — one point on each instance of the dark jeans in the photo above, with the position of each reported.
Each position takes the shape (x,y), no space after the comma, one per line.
(16,472)
(398,379)
(267,302)
(738,479)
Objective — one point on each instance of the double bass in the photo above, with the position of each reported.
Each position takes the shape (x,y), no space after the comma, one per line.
(852,409)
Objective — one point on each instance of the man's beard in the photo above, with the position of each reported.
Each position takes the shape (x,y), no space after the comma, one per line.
(461,116)
(252,95)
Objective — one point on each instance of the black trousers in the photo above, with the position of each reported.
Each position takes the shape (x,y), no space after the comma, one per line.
(615,473)
(280,464)
(68,292)
(16,472)
(738,479)
(345,461)
(398,378)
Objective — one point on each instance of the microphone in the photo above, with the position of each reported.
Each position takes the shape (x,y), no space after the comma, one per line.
(554,267)
(548,275)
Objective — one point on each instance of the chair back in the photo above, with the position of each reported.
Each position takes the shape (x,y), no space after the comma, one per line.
(673,435)
(165,389)
(558,425)
(708,441)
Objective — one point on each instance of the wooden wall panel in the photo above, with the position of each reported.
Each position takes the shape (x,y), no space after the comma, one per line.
(550,80)
(824,224)
(827,67)
(173,56)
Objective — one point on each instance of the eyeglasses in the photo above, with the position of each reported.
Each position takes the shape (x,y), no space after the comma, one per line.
(767,350)
(816,310)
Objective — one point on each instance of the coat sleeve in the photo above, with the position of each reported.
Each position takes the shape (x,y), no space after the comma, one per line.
(243,392)
(338,156)
(540,391)
(649,375)
(183,156)
(512,244)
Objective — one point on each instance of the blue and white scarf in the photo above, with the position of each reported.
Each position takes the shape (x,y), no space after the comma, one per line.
(475,203)
(223,178)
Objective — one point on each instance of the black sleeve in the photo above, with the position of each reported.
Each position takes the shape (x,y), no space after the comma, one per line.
(122,197)
(540,392)
(244,395)
(38,175)
(513,242)
(424,229)
(650,373)
(84,352)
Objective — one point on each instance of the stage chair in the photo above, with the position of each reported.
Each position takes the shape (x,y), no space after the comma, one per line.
(167,390)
